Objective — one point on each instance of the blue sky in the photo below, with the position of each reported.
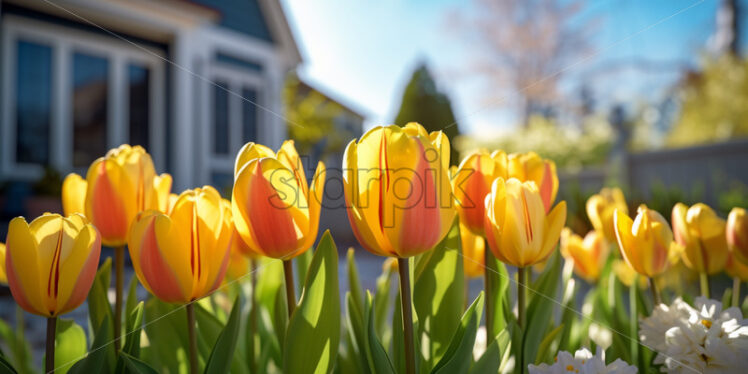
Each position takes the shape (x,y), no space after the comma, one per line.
(363,52)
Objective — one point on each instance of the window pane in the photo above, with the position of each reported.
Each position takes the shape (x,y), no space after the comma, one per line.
(221,118)
(90,92)
(138,78)
(33,102)
(249,115)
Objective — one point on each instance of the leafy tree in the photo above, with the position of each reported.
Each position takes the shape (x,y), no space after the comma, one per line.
(422,102)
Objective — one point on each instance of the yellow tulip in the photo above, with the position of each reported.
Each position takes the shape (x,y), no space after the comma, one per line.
(51,263)
(274,210)
(702,234)
(645,242)
(473,251)
(471,182)
(518,230)
(117,187)
(737,234)
(397,189)
(182,256)
(600,209)
(3,276)
(588,254)
(531,167)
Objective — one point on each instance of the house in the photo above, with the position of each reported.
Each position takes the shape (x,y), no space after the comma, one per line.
(190,80)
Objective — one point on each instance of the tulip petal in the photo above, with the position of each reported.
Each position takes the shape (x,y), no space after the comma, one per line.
(105,206)
(626,241)
(154,259)
(22,266)
(554,223)
(249,152)
(315,206)
(74,194)
(78,270)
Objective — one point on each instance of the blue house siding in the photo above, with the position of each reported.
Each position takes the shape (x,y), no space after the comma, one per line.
(244,16)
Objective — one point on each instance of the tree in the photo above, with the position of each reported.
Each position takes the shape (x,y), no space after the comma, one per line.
(422,102)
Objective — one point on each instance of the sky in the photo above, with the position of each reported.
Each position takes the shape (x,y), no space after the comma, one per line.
(363,52)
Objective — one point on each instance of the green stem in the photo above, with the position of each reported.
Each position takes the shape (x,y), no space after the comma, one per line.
(119,283)
(655,293)
(735,291)
(634,317)
(489,296)
(521,295)
(704,280)
(290,291)
(192,338)
(407,310)
(253,316)
(49,366)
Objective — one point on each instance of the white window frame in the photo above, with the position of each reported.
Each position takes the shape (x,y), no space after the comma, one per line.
(64,42)
(237,79)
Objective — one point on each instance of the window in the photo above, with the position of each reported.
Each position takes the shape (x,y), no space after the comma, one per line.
(138,78)
(90,108)
(33,102)
(249,115)
(221,118)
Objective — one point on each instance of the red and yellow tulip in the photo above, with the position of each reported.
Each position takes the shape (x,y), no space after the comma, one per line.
(471,182)
(518,230)
(702,234)
(588,254)
(51,263)
(117,187)
(531,167)
(275,212)
(473,251)
(182,256)
(645,242)
(397,189)
(737,234)
(601,208)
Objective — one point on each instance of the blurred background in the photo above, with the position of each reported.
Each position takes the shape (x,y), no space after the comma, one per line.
(648,95)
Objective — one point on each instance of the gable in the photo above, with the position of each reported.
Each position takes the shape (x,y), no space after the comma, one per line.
(244,16)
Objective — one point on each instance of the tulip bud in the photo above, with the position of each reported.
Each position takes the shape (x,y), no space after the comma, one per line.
(645,242)
(117,187)
(518,230)
(600,209)
(589,255)
(182,256)
(473,252)
(275,212)
(51,263)
(531,167)
(737,234)
(471,182)
(702,234)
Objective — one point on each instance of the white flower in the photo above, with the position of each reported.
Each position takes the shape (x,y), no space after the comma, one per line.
(704,339)
(583,362)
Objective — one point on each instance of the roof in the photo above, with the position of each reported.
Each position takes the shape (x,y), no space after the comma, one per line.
(348,107)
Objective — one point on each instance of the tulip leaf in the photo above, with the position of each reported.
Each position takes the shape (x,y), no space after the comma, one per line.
(166,323)
(499,278)
(302,266)
(354,284)
(354,322)
(223,351)
(376,355)
(132,298)
(98,300)
(5,366)
(439,279)
(19,349)
(546,348)
(70,344)
(540,309)
(313,333)
(136,366)
(382,301)
(133,328)
(459,354)
(102,352)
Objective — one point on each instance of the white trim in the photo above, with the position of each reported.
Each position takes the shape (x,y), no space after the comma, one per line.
(64,42)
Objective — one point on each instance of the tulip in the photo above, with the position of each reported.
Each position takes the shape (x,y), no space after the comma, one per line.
(398,194)
(702,234)
(117,187)
(471,182)
(531,167)
(50,265)
(588,254)
(518,230)
(600,209)
(473,248)
(737,234)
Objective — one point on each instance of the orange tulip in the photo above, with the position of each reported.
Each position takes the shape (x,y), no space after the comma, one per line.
(645,242)
(737,234)
(702,234)
(600,209)
(397,189)
(531,167)
(518,230)
(588,254)
(473,251)
(274,210)
(51,263)
(117,187)
(182,256)
(471,182)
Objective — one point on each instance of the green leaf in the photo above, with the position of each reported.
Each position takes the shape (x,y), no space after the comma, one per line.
(540,309)
(223,352)
(499,278)
(6,367)
(545,351)
(496,356)
(136,366)
(355,331)
(440,284)
(302,266)
(70,344)
(132,298)
(313,333)
(101,353)
(133,328)
(166,323)
(382,301)
(459,354)
(354,284)
(19,349)
(98,300)
(376,355)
